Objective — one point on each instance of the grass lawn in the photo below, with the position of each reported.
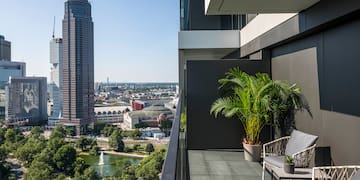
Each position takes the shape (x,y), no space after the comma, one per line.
(158,148)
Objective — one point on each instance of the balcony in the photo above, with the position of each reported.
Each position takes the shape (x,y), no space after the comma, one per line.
(227,7)
(181,163)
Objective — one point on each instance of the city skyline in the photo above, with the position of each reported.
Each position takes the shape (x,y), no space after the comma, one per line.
(134,49)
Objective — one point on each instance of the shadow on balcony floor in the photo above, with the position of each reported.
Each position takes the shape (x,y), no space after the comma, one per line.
(224,165)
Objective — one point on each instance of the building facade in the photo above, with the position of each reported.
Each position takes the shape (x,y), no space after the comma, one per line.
(26,100)
(55,87)
(313,43)
(5,49)
(111,114)
(78,65)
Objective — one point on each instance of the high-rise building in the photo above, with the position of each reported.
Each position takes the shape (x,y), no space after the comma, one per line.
(5,49)
(11,69)
(55,86)
(26,100)
(78,65)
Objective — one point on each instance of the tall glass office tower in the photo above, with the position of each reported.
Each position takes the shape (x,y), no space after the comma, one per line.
(55,87)
(78,65)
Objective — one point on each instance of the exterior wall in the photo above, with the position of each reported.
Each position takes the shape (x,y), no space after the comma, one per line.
(129,122)
(261,24)
(5,49)
(78,64)
(197,54)
(209,39)
(110,118)
(325,65)
(112,114)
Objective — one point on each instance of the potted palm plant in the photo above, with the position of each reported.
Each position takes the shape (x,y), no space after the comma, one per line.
(289,165)
(253,99)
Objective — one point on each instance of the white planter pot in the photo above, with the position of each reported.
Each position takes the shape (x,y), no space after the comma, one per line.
(252,152)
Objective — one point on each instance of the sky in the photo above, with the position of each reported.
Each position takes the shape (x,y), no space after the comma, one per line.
(134,40)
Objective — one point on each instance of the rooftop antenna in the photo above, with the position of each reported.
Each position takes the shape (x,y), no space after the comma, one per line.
(53,34)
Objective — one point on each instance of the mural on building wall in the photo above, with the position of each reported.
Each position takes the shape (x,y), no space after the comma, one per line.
(29,95)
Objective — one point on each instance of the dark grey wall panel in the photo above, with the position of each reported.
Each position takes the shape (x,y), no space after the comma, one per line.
(323,15)
(338,65)
(325,11)
(203,130)
(197,20)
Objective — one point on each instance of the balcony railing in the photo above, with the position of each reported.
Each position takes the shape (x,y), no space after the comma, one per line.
(175,165)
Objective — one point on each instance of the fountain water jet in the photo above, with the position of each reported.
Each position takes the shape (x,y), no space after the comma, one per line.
(101,160)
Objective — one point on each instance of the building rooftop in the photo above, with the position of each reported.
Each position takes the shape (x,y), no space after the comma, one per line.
(111,108)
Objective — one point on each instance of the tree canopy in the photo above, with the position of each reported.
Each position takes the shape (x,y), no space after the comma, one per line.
(65,158)
(115,141)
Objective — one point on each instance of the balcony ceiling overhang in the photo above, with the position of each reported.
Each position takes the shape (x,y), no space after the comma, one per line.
(209,39)
(227,7)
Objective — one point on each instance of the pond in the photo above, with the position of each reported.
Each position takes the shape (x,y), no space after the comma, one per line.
(112,163)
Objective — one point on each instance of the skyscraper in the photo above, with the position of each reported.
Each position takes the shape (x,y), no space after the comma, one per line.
(78,65)
(55,88)
(5,49)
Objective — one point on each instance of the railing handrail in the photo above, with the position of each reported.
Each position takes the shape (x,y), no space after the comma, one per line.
(169,166)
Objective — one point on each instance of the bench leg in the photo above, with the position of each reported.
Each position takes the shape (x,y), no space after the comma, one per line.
(263,172)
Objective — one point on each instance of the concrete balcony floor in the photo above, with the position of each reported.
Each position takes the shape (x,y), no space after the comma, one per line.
(222,165)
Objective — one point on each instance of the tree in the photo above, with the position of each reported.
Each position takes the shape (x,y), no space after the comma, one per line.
(46,156)
(3,153)
(13,135)
(165,126)
(36,131)
(136,133)
(108,130)
(141,125)
(89,174)
(58,132)
(148,168)
(2,121)
(115,141)
(2,135)
(70,131)
(65,158)
(82,143)
(99,125)
(5,168)
(39,170)
(55,143)
(136,147)
(94,150)
(61,177)
(80,165)
(30,149)
(149,148)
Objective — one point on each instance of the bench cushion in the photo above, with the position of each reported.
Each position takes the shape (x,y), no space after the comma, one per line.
(356,176)
(277,161)
(299,141)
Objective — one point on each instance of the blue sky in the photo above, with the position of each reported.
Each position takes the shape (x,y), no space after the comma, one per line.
(135,40)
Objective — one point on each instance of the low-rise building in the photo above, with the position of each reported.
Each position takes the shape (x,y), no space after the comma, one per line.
(149,115)
(111,114)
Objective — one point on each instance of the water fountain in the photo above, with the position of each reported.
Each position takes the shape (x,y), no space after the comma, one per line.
(101,160)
